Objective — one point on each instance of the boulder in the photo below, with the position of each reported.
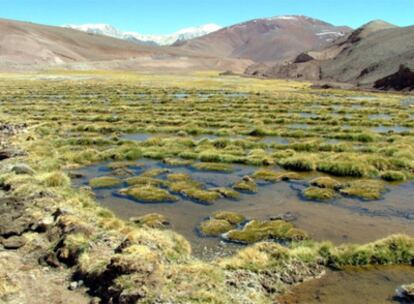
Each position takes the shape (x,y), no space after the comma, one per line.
(14,242)
(405,293)
(303,57)
(402,80)
(22,169)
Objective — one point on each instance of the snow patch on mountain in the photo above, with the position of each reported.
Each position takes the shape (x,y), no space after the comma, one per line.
(181,35)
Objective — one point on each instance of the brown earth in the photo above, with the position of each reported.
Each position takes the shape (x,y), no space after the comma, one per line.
(369,54)
(266,40)
(28,46)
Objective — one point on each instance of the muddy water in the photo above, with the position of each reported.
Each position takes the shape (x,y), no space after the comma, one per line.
(343,220)
(353,286)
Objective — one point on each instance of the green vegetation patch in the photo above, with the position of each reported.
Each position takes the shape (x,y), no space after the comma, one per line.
(149,194)
(104,182)
(145,180)
(247,184)
(200,195)
(351,168)
(325,182)
(256,231)
(364,189)
(393,176)
(122,165)
(319,194)
(226,192)
(219,167)
(220,222)
(152,220)
(298,163)
(231,217)
(177,162)
(215,227)
(273,176)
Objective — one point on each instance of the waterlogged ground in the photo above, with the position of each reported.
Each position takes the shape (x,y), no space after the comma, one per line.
(339,220)
(90,121)
(354,285)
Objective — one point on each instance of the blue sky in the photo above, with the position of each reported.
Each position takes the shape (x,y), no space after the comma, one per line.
(166,16)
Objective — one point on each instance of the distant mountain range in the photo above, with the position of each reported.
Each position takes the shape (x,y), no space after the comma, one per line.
(267,40)
(378,54)
(29,46)
(181,35)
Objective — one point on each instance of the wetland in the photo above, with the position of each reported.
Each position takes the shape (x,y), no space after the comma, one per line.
(222,174)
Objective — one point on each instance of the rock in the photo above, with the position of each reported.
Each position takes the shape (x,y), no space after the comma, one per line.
(303,57)
(9,153)
(403,79)
(405,293)
(287,217)
(43,224)
(22,169)
(122,172)
(73,285)
(75,175)
(11,227)
(228,73)
(14,242)
(247,178)
(51,260)
(95,300)
(332,85)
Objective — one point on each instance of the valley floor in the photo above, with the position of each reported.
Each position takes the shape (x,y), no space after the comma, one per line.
(271,183)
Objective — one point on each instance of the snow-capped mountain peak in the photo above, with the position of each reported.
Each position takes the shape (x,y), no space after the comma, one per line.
(169,39)
(99,28)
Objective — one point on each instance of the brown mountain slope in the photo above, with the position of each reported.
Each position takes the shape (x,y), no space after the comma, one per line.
(29,45)
(374,56)
(267,40)
(368,54)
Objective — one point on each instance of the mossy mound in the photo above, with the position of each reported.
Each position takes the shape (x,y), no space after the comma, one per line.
(177,162)
(319,194)
(152,220)
(217,167)
(56,179)
(256,231)
(154,172)
(149,194)
(273,176)
(184,185)
(325,182)
(231,217)
(226,192)
(175,177)
(266,175)
(220,222)
(104,182)
(215,227)
(352,168)
(144,180)
(200,195)
(246,185)
(364,189)
(287,176)
(122,165)
(298,163)
(393,176)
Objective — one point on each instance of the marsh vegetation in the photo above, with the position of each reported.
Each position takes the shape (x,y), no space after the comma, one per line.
(216,160)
